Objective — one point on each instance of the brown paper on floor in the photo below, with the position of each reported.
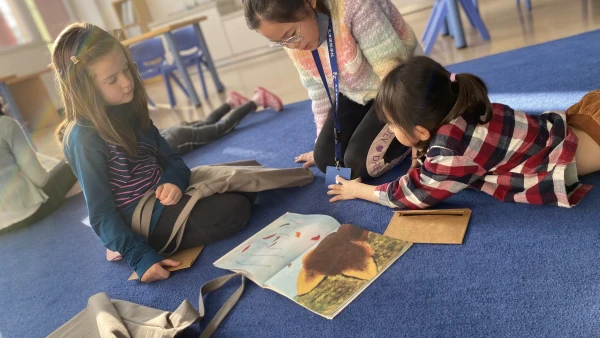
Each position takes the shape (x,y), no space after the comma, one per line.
(185,257)
(430,226)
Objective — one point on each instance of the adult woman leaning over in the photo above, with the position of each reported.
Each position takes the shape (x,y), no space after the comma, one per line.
(367,40)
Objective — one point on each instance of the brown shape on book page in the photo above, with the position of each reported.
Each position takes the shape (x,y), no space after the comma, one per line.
(345,252)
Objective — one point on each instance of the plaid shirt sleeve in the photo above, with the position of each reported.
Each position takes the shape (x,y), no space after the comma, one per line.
(442,175)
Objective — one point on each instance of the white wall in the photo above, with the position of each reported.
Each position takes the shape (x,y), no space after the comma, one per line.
(28,59)
(24,59)
(97,12)
(160,9)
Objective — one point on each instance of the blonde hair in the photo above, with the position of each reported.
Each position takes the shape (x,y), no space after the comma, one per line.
(80,45)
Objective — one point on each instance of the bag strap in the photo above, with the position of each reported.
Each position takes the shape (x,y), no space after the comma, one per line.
(214,285)
(180,223)
(141,225)
(148,207)
(136,221)
(142,218)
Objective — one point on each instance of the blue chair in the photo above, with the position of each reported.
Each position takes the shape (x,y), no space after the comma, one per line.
(527,4)
(446,12)
(149,55)
(189,48)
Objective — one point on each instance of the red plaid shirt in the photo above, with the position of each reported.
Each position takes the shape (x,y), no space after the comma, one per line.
(515,157)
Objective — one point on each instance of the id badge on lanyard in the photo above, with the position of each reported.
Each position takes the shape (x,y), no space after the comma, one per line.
(337,170)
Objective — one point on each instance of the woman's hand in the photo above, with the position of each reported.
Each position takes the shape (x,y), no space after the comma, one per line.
(158,272)
(168,194)
(349,190)
(307,158)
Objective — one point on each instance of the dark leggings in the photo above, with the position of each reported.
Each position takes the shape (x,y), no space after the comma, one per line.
(212,219)
(360,127)
(185,138)
(61,180)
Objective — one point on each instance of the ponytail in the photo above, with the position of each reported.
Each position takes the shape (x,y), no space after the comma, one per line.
(471,99)
(420,92)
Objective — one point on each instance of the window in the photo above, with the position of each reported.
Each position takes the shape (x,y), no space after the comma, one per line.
(13,29)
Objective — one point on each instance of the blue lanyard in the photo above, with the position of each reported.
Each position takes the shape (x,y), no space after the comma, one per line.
(336,87)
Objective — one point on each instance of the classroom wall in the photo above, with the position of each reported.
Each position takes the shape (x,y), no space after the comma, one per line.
(97,12)
(54,14)
(160,9)
(28,59)
(24,59)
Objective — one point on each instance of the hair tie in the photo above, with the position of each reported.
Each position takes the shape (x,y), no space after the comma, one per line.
(74,59)
(453,77)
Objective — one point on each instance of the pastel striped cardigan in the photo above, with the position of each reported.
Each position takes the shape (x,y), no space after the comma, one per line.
(371,38)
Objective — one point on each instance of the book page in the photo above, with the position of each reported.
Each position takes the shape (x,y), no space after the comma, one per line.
(277,245)
(330,275)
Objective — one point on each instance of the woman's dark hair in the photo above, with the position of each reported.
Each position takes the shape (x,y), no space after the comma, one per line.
(279,11)
(419,92)
(2,103)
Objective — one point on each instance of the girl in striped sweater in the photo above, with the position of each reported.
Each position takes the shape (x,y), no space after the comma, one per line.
(371,38)
(118,155)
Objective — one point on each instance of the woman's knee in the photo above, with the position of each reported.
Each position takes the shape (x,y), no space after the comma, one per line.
(322,159)
(357,162)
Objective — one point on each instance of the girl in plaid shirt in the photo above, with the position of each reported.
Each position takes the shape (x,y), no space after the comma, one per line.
(461,141)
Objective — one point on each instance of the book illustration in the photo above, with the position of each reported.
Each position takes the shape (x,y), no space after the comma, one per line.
(331,274)
(277,245)
(323,277)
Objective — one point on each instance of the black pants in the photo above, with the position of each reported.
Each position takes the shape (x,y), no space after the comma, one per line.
(212,219)
(359,128)
(60,181)
(185,138)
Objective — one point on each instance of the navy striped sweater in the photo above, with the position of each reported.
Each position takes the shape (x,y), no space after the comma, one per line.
(113,182)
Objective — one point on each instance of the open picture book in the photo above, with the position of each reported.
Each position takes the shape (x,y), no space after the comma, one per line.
(314,260)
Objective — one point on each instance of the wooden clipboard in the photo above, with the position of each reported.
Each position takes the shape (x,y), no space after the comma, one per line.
(185,257)
(430,226)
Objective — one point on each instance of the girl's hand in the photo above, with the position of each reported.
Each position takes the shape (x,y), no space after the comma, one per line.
(345,190)
(349,190)
(168,194)
(308,158)
(157,272)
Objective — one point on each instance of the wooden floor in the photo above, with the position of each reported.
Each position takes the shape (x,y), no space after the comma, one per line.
(510,28)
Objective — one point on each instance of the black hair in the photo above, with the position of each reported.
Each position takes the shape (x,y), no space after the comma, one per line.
(419,92)
(279,11)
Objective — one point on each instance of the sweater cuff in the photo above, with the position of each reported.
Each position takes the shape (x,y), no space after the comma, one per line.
(150,258)
(381,194)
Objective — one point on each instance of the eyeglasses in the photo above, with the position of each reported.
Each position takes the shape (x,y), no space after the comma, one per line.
(292,39)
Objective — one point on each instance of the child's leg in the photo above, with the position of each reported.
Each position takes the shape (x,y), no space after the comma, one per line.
(212,219)
(213,117)
(61,180)
(59,183)
(588,153)
(584,119)
(233,101)
(184,139)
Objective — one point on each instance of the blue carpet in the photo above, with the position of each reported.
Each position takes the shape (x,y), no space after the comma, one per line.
(523,271)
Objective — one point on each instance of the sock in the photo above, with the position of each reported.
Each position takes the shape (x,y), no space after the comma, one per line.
(266,99)
(235,99)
